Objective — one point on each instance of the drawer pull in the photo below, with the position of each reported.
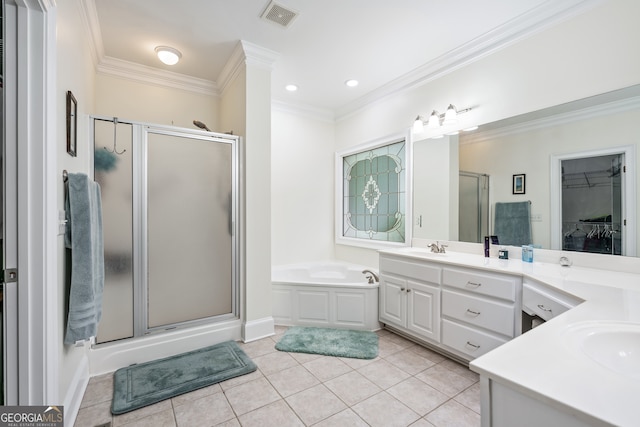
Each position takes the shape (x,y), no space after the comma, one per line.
(543,308)
(474,313)
(474,284)
(473,346)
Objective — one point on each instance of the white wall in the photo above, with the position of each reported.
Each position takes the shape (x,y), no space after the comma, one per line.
(302,205)
(587,55)
(435,178)
(132,100)
(75,73)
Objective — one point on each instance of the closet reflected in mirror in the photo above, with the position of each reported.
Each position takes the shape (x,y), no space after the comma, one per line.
(592,204)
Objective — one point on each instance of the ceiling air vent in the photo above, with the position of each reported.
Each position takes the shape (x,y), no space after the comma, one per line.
(278,14)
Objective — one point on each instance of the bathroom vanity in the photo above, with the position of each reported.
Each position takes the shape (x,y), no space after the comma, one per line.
(451,306)
(580,367)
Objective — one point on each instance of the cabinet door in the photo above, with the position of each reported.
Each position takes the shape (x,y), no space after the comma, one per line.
(393,300)
(423,303)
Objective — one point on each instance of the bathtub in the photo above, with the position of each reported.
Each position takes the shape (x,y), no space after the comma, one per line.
(324,294)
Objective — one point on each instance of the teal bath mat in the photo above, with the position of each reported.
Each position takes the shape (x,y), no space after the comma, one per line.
(330,342)
(140,385)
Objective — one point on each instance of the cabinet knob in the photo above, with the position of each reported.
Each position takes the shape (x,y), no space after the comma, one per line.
(408,290)
(402,289)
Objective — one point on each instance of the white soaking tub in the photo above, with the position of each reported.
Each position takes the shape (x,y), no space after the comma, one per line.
(324,294)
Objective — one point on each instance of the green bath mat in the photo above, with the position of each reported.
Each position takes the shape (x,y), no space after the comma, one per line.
(330,342)
(146,383)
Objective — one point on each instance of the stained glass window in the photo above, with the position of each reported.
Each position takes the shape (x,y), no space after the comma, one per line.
(374,193)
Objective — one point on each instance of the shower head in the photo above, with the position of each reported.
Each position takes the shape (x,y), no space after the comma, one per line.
(201,125)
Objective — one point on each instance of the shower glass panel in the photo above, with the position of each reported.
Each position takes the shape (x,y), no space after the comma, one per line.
(189,232)
(473,207)
(169,203)
(114,173)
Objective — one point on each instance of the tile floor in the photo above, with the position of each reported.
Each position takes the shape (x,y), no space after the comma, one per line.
(406,385)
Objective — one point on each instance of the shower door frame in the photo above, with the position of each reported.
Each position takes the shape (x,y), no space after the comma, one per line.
(141,131)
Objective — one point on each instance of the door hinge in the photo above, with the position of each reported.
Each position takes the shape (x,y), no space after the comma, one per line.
(9,275)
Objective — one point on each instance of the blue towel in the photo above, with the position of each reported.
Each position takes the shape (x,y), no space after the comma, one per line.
(512,223)
(84,238)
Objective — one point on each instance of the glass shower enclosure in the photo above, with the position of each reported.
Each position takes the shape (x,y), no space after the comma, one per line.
(473,207)
(169,201)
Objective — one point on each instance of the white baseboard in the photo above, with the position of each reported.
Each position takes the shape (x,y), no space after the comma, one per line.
(253,330)
(75,392)
(109,357)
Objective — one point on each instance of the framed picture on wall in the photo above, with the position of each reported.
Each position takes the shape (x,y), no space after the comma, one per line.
(519,183)
(72,124)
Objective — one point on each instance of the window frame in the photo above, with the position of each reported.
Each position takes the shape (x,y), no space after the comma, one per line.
(340,238)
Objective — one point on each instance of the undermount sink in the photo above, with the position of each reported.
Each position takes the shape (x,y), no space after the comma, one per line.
(613,345)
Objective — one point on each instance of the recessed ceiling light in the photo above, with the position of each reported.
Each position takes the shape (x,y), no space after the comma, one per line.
(291,88)
(168,55)
(351,83)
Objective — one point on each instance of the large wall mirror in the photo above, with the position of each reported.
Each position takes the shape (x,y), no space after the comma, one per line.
(540,146)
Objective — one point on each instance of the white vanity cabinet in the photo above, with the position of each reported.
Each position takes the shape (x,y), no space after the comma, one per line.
(480,310)
(410,297)
(541,300)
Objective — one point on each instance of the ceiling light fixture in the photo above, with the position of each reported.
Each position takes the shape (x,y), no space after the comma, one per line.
(291,87)
(168,55)
(436,120)
(351,83)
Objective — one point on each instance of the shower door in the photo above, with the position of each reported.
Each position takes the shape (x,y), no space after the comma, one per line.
(189,228)
(169,213)
(474,207)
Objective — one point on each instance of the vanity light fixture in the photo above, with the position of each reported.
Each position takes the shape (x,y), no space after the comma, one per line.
(436,120)
(168,55)
(451,115)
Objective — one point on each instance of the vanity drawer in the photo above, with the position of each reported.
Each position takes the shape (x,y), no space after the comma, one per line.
(415,270)
(493,285)
(467,340)
(543,303)
(493,315)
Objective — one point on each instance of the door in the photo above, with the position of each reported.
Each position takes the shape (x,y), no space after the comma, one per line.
(423,314)
(190,219)
(593,201)
(393,300)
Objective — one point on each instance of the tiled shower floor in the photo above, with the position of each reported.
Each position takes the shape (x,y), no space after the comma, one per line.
(405,385)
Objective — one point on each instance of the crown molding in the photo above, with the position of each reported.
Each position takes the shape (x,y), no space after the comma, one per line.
(548,14)
(245,53)
(557,119)
(154,76)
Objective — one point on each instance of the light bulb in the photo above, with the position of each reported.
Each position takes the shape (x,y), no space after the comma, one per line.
(168,55)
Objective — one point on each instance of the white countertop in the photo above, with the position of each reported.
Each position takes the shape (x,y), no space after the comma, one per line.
(543,363)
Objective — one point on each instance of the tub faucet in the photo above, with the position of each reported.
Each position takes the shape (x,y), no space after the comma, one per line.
(370,276)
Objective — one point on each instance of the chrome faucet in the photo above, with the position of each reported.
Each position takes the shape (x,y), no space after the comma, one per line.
(370,276)
(437,248)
